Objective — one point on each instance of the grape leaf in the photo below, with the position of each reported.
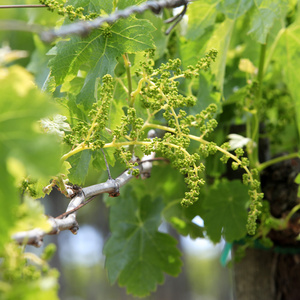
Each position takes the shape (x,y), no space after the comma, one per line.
(16,276)
(267,12)
(31,215)
(181,219)
(200,16)
(288,53)
(9,199)
(225,211)
(97,53)
(193,50)
(137,254)
(43,288)
(206,94)
(22,106)
(125,3)
(159,36)
(234,8)
(93,5)
(169,187)
(80,166)
(220,41)
(98,159)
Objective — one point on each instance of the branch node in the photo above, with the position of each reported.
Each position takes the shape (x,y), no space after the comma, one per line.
(76,190)
(37,243)
(116,191)
(75,228)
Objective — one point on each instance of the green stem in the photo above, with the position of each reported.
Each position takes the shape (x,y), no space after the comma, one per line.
(254,122)
(201,140)
(130,97)
(260,74)
(78,149)
(273,47)
(270,162)
(139,88)
(128,73)
(176,119)
(23,6)
(288,217)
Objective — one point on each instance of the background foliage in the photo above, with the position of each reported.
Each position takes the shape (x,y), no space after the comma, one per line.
(252,83)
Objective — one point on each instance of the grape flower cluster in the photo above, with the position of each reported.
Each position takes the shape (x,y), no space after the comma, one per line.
(157,92)
(68,10)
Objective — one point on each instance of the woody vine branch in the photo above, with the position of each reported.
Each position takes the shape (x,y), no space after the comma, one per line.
(79,196)
(89,23)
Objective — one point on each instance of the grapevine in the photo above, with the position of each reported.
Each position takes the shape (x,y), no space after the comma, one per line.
(157,91)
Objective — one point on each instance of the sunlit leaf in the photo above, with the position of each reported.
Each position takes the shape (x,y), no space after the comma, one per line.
(93,5)
(220,41)
(266,13)
(23,147)
(200,16)
(22,106)
(9,199)
(235,8)
(237,141)
(31,215)
(125,3)
(97,53)
(289,58)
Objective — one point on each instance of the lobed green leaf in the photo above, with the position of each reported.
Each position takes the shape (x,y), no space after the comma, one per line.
(266,14)
(80,166)
(97,53)
(288,55)
(225,211)
(235,8)
(24,148)
(137,254)
(200,16)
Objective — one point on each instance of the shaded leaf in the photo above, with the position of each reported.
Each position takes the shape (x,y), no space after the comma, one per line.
(137,254)
(98,159)
(80,166)
(225,212)
(181,219)
(206,94)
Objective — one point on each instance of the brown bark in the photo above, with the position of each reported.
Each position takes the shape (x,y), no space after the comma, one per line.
(274,273)
(254,276)
(267,275)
